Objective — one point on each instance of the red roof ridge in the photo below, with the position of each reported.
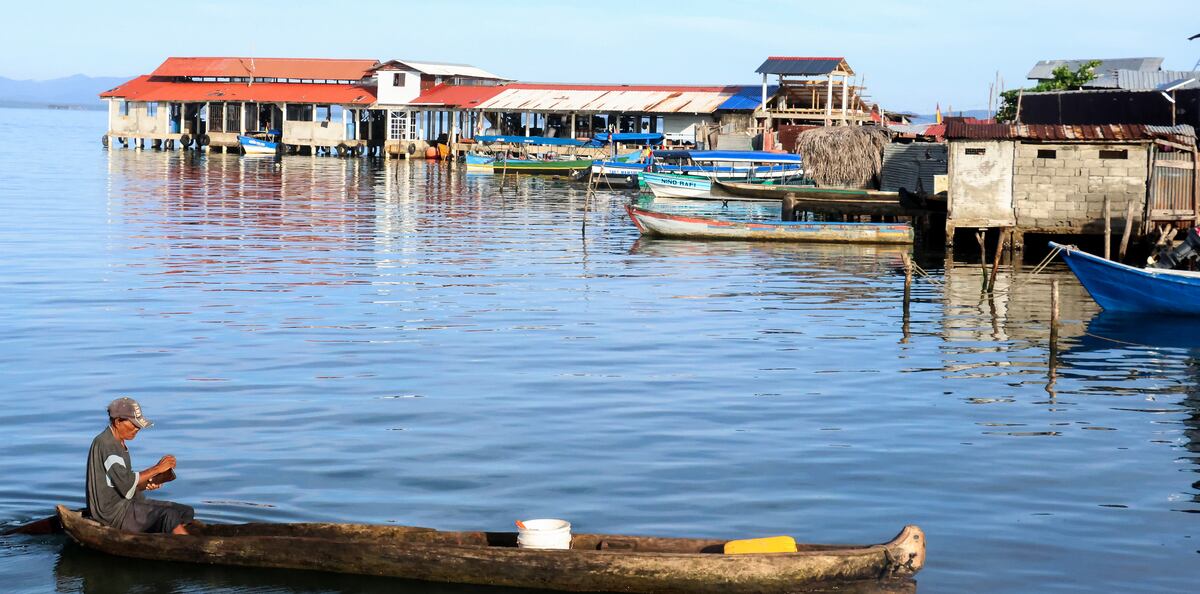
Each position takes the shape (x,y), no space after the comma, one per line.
(806,57)
(269,58)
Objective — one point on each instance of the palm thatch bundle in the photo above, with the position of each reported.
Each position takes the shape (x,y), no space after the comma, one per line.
(842,156)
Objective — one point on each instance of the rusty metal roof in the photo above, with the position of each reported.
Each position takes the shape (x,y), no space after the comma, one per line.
(302,68)
(609,98)
(1051,132)
(150,88)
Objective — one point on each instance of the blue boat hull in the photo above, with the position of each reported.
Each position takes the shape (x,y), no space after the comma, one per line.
(257,146)
(1117,287)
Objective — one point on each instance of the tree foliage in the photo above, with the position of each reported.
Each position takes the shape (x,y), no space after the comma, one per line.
(1064,80)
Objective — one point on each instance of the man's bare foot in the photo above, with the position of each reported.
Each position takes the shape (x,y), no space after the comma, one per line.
(179,530)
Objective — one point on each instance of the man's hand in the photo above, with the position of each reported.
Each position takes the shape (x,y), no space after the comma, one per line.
(166,463)
(152,486)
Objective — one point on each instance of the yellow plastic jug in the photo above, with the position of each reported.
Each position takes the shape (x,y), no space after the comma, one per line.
(771,544)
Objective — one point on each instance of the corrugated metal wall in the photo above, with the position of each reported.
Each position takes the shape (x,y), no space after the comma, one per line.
(912,166)
(1172,187)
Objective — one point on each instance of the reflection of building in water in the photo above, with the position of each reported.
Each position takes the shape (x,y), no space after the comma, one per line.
(221,214)
(1019,307)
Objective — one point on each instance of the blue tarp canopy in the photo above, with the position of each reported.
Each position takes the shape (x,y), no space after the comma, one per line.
(541,140)
(629,137)
(744,156)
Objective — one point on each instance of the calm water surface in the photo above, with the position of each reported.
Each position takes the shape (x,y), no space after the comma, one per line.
(346,340)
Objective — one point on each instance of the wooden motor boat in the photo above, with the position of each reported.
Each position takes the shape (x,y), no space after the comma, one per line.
(842,201)
(660,224)
(1118,287)
(594,563)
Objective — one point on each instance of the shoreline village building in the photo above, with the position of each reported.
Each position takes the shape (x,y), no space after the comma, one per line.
(812,91)
(401,107)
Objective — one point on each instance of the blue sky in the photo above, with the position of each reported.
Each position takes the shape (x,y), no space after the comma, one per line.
(912,54)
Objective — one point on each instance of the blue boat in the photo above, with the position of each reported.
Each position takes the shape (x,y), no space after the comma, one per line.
(252,145)
(638,138)
(477,163)
(1122,288)
(532,140)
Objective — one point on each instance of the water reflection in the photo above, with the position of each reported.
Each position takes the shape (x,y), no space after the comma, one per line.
(463,353)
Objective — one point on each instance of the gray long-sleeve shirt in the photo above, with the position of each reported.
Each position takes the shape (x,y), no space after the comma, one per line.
(111,481)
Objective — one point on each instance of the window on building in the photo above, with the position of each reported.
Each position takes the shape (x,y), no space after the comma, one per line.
(335,113)
(398,79)
(216,117)
(233,117)
(1114,154)
(976,151)
(401,128)
(152,109)
(322,113)
(123,107)
(299,112)
(1047,154)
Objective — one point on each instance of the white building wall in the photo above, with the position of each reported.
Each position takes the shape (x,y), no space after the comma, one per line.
(981,184)
(388,93)
(137,122)
(682,126)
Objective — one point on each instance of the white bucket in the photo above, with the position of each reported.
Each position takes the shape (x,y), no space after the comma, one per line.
(544,534)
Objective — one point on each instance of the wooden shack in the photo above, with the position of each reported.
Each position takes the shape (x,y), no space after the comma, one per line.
(1056,179)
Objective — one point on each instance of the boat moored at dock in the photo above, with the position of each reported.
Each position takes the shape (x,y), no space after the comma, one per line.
(593,563)
(653,223)
(690,174)
(1118,287)
(264,143)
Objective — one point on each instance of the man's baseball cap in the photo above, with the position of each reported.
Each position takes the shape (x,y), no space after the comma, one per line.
(128,408)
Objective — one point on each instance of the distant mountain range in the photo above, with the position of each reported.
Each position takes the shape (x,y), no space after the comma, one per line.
(71,91)
(966,113)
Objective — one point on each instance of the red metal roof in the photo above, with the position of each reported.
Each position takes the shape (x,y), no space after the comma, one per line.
(591,87)
(150,88)
(464,97)
(305,68)
(1053,132)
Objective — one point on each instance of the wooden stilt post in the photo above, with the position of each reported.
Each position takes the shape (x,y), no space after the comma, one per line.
(1130,212)
(908,274)
(981,236)
(996,261)
(1107,230)
(1054,314)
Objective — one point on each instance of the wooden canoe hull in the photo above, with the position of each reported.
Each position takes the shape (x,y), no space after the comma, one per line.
(660,224)
(595,563)
(842,201)
(532,167)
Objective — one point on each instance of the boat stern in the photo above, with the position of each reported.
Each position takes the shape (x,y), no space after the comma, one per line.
(907,551)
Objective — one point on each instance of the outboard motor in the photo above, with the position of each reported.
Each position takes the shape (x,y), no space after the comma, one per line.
(1189,249)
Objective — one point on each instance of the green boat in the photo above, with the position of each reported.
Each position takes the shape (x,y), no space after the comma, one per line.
(573,167)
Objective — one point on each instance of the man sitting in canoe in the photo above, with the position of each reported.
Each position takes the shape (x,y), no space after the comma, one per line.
(114,490)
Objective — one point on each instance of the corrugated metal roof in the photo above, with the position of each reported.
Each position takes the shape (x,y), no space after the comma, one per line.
(1107,132)
(1136,80)
(802,66)
(748,98)
(625,100)
(460,97)
(441,68)
(305,68)
(587,98)
(1044,69)
(149,88)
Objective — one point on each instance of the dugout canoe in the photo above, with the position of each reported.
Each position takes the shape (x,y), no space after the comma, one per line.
(653,223)
(595,562)
(843,201)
